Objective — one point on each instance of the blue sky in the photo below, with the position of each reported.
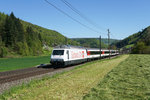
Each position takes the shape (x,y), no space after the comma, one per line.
(122,17)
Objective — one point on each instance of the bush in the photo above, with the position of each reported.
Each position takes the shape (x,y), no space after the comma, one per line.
(22,48)
(147,50)
(26,49)
(36,48)
(3,51)
(141,48)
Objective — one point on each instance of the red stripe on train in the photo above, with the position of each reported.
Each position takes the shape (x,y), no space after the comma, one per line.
(103,52)
(88,53)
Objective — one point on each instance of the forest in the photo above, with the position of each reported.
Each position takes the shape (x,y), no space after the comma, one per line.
(18,37)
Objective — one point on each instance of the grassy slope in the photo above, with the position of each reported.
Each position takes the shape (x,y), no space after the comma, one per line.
(7,64)
(72,85)
(129,81)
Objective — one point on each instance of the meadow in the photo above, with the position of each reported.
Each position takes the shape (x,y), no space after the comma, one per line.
(7,64)
(128,81)
(70,85)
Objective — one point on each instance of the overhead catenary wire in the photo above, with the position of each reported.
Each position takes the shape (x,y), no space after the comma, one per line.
(81,14)
(71,17)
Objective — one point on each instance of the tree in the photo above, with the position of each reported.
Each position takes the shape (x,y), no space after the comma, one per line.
(8,34)
(139,48)
(20,31)
(40,37)
(147,50)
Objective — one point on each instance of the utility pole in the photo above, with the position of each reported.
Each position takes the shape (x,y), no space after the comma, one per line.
(100,46)
(109,42)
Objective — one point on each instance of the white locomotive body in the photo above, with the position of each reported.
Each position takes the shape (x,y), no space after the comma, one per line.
(67,55)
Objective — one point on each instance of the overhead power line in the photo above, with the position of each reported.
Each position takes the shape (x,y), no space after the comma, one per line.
(81,15)
(71,17)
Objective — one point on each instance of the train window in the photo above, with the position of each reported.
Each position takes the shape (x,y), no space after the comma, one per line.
(58,52)
(106,51)
(94,52)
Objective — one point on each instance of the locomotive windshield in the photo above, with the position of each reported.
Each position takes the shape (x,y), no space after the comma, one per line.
(58,52)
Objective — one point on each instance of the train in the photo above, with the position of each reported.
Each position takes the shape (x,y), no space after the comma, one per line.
(65,55)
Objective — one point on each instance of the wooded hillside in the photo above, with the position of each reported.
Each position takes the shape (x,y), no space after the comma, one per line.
(23,38)
(140,42)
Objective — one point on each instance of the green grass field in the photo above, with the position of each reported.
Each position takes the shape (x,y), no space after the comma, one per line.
(71,85)
(128,81)
(7,64)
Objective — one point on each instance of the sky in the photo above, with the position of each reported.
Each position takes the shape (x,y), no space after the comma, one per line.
(121,17)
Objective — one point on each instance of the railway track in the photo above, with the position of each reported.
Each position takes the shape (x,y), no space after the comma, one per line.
(10,76)
(25,73)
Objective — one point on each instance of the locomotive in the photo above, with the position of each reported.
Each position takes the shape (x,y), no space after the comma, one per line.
(65,55)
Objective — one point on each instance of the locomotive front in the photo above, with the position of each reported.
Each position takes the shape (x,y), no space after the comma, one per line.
(57,57)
